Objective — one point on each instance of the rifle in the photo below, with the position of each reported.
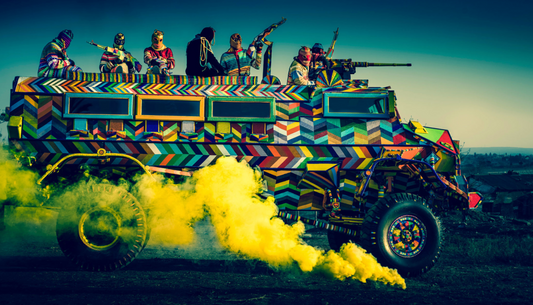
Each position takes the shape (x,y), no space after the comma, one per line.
(262,36)
(346,67)
(331,49)
(121,55)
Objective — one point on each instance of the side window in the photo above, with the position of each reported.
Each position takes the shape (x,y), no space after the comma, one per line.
(356,105)
(170,108)
(242,109)
(98,105)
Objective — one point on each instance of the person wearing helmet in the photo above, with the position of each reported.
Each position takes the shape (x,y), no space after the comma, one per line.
(54,60)
(112,63)
(237,61)
(158,57)
(299,69)
(318,61)
(200,58)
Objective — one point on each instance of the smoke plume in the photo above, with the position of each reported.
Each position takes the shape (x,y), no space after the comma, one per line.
(246,224)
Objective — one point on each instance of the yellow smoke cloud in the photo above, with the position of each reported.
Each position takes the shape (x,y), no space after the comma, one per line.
(246,224)
(227,191)
(16,183)
(172,210)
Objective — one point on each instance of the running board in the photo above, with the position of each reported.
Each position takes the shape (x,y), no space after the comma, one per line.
(318,223)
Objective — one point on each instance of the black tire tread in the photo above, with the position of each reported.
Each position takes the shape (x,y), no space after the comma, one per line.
(368,238)
(72,247)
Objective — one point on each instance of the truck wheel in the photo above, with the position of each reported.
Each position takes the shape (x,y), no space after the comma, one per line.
(103,229)
(402,232)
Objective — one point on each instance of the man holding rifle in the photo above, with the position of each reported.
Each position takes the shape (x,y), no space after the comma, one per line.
(117,59)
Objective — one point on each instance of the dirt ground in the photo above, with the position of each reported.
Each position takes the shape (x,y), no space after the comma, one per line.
(33,270)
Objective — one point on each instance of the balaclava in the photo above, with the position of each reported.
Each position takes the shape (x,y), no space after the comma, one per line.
(157,40)
(235,42)
(66,36)
(304,56)
(119,42)
(317,51)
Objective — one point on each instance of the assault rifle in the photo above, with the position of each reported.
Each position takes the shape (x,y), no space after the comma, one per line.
(346,67)
(120,54)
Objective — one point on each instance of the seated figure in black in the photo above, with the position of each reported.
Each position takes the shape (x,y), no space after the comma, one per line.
(200,58)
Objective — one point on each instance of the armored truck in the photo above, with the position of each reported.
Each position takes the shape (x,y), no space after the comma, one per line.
(339,148)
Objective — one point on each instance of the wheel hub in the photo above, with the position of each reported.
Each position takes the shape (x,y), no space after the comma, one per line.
(99,228)
(407,236)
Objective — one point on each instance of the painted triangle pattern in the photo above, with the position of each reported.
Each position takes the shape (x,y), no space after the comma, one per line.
(349,184)
(288,111)
(50,125)
(320,130)
(333,127)
(134,130)
(280,132)
(170,131)
(293,133)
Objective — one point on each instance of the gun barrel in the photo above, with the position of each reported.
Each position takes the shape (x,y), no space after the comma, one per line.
(361,64)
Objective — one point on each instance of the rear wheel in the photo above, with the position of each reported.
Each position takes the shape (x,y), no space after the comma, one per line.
(402,232)
(102,229)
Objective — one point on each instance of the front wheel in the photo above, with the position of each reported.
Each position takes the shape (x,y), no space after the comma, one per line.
(402,232)
(101,228)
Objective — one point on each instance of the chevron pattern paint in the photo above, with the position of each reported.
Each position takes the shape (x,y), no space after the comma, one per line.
(195,154)
(238,130)
(59,86)
(134,130)
(50,125)
(288,111)
(99,129)
(284,186)
(26,106)
(333,127)
(293,133)
(320,127)
(170,131)
(310,200)
(349,184)
(42,120)
(161,79)
(307,130)
(280,132)
(200,130)
(209,132)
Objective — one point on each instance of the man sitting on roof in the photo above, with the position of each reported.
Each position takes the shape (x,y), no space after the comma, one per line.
(299,69)
(200,58)
(54,59)
(237,61)
(158,57)
(112,63)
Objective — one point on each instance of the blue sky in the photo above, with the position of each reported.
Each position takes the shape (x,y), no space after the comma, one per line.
(472,66)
